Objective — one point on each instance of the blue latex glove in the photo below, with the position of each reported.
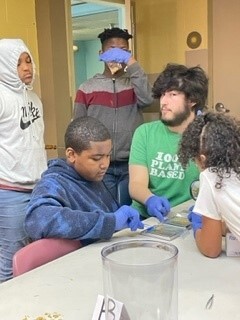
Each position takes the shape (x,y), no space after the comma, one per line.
(158,207)
(115,54)
(195,219)
(127,217)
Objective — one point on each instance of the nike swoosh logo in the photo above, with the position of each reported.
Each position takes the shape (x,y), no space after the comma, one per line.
(24,125)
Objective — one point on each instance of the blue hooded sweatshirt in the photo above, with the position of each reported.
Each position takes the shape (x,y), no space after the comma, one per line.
(65,205)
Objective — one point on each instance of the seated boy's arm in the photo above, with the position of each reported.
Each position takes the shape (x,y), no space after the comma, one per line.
(49,215)
(138,183)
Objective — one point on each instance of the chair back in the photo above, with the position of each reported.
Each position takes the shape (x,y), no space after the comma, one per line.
(40,252)
(123,193)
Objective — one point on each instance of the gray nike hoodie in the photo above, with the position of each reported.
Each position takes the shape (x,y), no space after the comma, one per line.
(22,150)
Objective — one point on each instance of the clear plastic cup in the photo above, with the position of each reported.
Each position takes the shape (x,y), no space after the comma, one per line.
(141,274)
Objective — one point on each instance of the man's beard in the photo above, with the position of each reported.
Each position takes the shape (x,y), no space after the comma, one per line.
(179,118)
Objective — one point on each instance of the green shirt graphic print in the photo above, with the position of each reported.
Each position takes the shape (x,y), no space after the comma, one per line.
(155,147)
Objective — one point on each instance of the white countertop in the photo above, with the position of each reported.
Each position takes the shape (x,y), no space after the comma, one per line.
(69,286)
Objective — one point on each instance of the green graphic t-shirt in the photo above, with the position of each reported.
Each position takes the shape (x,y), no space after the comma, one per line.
(155,147)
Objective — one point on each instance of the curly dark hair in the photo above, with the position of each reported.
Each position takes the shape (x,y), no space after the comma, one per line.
(114,33)
(82,130)
(217,136)
(193,82)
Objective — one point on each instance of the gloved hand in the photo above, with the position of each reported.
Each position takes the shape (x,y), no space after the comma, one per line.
(127,217)
(115,54)
(158,207)
(195,219)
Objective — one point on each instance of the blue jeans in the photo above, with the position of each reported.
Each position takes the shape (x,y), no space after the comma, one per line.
(12,234)
(117,171)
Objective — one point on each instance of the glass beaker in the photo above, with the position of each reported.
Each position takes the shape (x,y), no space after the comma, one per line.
(142,274)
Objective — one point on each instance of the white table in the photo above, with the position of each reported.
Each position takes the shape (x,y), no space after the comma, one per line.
(70,285)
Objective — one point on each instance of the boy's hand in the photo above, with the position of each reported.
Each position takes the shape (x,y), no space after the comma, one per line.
(127,217)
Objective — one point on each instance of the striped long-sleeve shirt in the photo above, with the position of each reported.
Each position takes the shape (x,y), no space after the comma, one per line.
(117,103)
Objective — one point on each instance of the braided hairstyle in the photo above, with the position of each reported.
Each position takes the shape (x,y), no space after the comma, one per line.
(217,136)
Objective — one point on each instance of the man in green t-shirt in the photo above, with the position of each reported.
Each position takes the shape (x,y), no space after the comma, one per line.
(157,179)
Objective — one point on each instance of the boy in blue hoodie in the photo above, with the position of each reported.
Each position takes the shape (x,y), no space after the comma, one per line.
(71,201)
